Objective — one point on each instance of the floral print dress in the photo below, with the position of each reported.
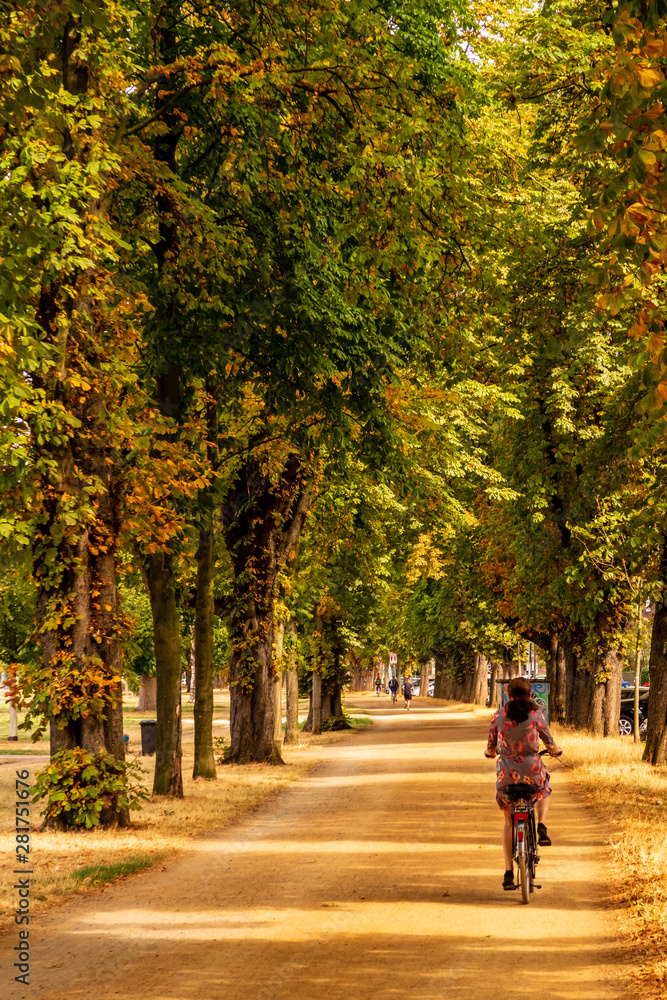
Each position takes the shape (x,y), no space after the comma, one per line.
(517,745)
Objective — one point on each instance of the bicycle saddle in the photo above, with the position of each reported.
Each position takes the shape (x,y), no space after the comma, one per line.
(520,791)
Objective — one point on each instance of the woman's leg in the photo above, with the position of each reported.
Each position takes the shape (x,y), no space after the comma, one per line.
(542,809)
(507,839)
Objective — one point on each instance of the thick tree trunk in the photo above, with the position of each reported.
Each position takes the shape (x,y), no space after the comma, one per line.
(656,736)
(596,723)
(90,595)
(496,672)
(423,680)
(204,763)
(337,702)
(278,685)
(441,677)
(478,682)
(582,698)
(326,711)
(612,697)
(168,778)
(263,519)
(569,653)
(147,693)
(560,698)
(251,689)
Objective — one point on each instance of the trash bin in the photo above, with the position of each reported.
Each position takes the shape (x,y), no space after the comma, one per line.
(148,736)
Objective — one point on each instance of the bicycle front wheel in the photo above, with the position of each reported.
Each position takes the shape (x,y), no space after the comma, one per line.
(524,878)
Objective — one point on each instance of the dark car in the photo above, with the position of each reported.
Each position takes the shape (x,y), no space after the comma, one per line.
(626,722)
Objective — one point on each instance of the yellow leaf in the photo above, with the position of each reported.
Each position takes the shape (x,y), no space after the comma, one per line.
(649,77)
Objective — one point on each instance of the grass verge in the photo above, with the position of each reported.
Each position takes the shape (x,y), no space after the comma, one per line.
(97,875)
(631,797)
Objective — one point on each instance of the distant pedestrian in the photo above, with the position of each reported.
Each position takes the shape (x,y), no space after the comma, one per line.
(407,692)
(393,687)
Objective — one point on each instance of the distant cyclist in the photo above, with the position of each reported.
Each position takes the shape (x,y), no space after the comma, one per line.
(378,684)
(393,687)
(515,733)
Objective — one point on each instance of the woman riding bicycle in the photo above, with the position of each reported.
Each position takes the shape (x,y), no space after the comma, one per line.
(515,733)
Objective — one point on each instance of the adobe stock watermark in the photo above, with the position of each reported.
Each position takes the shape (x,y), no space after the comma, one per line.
(24,870)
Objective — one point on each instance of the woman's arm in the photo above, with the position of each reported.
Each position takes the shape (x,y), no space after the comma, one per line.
(546,736)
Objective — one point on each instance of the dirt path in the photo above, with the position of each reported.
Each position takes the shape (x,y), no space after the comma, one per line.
(376,877)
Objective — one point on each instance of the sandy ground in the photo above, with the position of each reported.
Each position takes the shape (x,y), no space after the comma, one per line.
(378,876)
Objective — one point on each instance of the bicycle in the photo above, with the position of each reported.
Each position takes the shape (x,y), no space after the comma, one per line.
(525,849)
(525,852)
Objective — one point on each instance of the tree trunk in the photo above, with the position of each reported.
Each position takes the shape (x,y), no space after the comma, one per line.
(13,725)
(337,702)
(262,520)
(192,690)
(423,680)
(204,762)
(168,778)
(612,696)
(278,685)
(582,698)
(596,723)
(326,710)
(656,736)
(560,698)
(292,688)
(478,685)
(317,703)
(91,598)
(496,671)
(552,677)
(147,693)
(571,665)
(440,677)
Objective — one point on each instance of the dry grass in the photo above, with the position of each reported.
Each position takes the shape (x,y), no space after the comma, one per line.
(631,798)
(66,863)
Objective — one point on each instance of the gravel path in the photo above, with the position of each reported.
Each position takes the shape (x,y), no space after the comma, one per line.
(378,876)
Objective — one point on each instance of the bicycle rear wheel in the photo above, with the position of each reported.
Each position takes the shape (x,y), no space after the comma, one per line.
(524,876)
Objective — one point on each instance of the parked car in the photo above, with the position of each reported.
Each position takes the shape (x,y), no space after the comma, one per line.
(626,722)
(416,687)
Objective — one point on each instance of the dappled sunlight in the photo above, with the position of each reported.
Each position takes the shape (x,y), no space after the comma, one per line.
(352,919)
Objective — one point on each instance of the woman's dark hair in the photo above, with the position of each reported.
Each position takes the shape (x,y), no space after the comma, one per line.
(520,703)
